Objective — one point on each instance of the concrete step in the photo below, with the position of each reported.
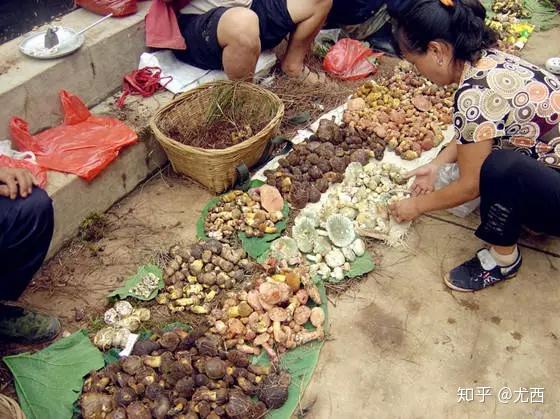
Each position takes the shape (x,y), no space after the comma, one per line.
(29,87)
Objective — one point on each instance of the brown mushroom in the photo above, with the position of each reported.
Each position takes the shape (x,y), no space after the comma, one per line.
(302,314)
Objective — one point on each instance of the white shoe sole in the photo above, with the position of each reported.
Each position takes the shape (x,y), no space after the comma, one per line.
(449,284)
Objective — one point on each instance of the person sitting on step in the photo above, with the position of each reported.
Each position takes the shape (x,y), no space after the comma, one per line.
(26,229)
(230,34)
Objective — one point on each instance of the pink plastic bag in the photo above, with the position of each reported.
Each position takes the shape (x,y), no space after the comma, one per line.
(39,172)
(104,7)
(348,59)
(84,144)
(162,28)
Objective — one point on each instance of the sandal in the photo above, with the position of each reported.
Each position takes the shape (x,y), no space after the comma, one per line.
(311,77)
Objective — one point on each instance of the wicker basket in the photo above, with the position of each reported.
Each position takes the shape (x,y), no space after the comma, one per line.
(196,109)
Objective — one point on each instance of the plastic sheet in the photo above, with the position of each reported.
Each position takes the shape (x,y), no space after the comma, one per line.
(104,7)
(349,59)
(449,173)
(84,144)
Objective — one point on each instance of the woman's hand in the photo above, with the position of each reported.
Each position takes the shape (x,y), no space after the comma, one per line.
(405,210)
(425,179)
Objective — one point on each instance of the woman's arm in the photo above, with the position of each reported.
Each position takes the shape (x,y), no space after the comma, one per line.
(448,155)
(426,175)
(470,158)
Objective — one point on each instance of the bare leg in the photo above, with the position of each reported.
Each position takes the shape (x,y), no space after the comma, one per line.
(504,250)
(309,16)
(241,48)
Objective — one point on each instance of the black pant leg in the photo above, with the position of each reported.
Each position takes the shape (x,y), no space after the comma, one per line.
(517,190)
(26,229)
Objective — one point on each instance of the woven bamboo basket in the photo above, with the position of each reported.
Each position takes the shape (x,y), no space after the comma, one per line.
(196,110)
(9,408)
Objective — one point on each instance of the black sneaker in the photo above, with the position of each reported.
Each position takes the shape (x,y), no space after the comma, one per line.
(480,272)
(19,325)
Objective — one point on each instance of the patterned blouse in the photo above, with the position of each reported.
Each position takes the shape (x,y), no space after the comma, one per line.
(512,102)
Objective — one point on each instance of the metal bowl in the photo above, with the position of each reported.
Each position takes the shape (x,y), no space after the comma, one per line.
(34,44)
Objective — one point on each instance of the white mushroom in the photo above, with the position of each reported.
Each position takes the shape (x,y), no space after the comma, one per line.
(317,317)
(335,258)
(123,308)
(349,254)
(358,247)
(111,316)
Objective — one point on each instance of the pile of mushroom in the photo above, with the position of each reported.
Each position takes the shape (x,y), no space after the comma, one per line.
(183,376)
(271,315)
(514,8)
(329,247)
(320,161)
(365,194)
(405,110)
(121,320)
(146,286)
(195,275)
(255,213)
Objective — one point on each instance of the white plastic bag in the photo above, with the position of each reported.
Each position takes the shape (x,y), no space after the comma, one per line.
(7,150)
(449,173)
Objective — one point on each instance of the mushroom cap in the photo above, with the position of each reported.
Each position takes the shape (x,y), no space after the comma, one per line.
(285,291)
(236,326)
(302,314)
(422,103)
(302,296)
(271,199)
(123,308)
(270,292)
(317,316)
(253,300)
(341,230)
(261,339)
(278,314)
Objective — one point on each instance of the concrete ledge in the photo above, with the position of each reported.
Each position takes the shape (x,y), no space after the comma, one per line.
(29,87)
(74,199)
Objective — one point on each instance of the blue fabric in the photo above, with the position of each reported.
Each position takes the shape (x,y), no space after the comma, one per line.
(26,228)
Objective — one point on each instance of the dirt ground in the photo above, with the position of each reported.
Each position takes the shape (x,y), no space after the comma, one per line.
(401,343)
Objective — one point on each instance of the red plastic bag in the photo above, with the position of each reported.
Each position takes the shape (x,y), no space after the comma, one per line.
(39,172)
(104,7)
(162,28)
(348,59)
(84,144)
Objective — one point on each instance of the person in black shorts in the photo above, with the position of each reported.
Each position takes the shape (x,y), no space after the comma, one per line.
(26,229)
(229,35)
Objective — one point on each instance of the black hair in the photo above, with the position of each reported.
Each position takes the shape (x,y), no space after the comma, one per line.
(461,25)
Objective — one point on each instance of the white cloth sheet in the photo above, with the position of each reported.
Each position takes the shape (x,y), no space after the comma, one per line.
(187,77)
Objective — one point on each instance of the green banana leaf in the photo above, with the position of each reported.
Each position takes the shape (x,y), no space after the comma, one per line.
(258,246)
(542,14)
(361,266)
(125,291)
(200,230)
(254,246)
(50,381)
(300,363)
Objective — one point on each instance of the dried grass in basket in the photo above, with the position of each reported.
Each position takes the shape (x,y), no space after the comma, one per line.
(9,408)
(194,113)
